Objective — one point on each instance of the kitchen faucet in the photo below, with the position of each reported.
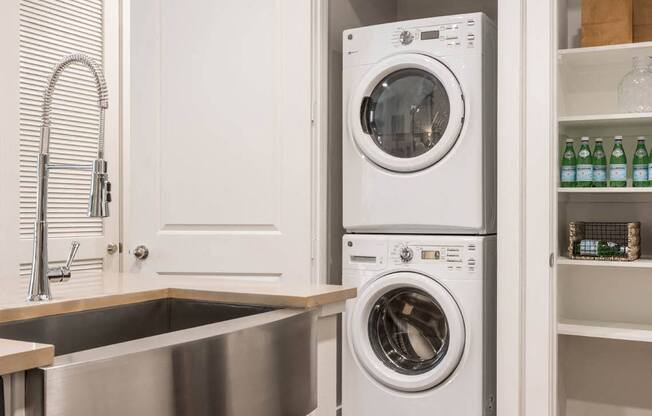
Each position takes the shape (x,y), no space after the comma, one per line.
(100,190)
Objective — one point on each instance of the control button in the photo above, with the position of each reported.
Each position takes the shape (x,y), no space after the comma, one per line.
(456,26)
(406,254)
(470,36)
(406,37)
(470,22)
(450,37)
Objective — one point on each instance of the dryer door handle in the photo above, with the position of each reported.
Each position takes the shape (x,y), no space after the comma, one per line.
(363,115)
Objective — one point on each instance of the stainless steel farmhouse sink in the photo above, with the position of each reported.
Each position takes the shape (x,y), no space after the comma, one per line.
(171,357)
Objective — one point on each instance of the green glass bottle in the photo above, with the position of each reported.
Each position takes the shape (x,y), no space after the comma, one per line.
(599,165)
(640,164)
(618,165)
(584,175)
(568,166)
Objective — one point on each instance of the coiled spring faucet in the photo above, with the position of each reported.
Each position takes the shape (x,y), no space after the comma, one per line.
(100,191)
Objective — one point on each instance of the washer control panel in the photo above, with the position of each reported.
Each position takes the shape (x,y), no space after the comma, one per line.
(453,257)
(462,257)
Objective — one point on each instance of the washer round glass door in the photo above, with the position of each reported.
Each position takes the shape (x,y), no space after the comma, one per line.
(407,331)
(407,112)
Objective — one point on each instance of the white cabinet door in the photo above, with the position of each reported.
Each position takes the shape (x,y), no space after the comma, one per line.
(219,131)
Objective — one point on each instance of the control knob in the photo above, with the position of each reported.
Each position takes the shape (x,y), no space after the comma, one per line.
(406,37)
(406,254)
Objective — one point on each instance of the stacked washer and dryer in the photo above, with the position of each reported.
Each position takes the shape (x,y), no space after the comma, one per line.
(419,193)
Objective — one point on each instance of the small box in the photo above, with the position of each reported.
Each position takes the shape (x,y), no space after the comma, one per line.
(642,20)
(607,22)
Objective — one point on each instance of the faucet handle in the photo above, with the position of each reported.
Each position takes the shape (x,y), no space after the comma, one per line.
(62,273)
(73,252)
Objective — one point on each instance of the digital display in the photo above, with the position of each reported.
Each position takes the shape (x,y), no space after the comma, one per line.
(431,34)
(430,254)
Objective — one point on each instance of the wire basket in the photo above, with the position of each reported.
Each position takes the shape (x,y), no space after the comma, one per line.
(587,240)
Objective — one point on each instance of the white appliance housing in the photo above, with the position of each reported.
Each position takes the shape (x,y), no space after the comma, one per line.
(419,139)
(420,337)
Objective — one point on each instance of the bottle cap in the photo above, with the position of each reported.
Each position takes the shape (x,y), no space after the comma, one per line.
(641,138)
(585,139)
(598,140)
(569,140)
(618,138)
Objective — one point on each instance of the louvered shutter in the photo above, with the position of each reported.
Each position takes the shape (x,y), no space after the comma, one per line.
(49,30)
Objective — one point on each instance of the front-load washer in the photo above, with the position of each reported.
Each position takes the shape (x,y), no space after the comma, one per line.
(419,126)
(420,337)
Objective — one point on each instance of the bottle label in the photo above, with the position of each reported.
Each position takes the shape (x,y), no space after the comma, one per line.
(599,173)
(599,154)
(639,173)
(641,153)
(568,173)
(649,171)
(584,153)
(618,172)
(617,152)
(584,173)
(569,155)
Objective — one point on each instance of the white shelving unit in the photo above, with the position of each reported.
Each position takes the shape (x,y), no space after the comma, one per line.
(603,308)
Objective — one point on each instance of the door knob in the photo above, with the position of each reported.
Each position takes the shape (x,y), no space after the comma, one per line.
(141,252)
(112,248)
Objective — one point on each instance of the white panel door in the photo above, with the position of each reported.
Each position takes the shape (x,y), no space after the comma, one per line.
(219,136)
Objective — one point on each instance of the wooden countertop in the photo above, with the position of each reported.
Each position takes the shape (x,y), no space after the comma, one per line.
(124,288)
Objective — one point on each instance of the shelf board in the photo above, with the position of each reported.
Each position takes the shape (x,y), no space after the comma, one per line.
(642,263)
(606,120)
(628,125)
(627,190)
(604,55)
(606,330)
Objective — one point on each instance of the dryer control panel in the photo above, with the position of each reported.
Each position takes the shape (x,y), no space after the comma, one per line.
(457,33)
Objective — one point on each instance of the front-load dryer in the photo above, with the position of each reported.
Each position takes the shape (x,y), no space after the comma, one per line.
(419,126)
(420,337)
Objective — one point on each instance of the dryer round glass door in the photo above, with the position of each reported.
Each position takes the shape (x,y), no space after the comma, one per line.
(407,331)
(407,112)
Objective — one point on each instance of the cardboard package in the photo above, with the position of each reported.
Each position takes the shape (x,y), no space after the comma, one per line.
(642,20)
(607,22)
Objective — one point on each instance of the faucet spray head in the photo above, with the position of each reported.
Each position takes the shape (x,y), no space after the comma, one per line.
(100,195)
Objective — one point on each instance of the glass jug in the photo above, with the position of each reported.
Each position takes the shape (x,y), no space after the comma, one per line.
(635,90)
